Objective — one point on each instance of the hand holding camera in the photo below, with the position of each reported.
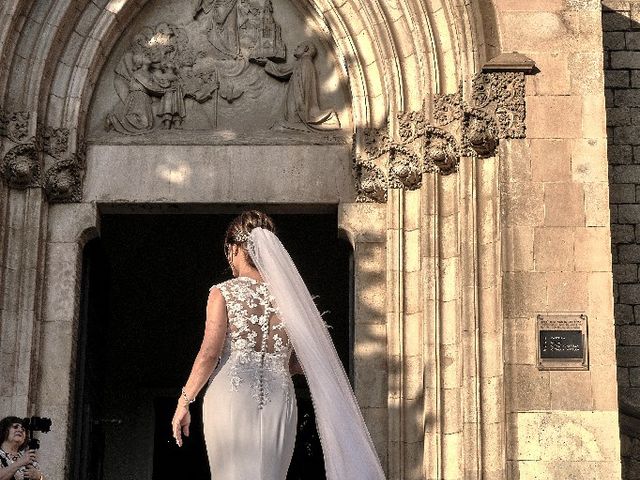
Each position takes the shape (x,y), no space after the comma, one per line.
(27,459)
(32,473)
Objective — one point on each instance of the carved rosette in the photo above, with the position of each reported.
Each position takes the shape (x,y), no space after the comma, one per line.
(441,152)
(21,166)
(405,170)
(459,128)
(480,134)
(63,181)
(368,167)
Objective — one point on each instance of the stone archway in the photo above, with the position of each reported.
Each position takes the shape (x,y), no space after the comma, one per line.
(416,293)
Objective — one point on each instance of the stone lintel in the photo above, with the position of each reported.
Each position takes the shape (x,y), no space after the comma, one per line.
(510,62)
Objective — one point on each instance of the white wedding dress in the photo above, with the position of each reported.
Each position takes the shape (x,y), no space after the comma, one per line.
(249,409)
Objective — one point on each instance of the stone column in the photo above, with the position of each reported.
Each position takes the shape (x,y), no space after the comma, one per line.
(19,298)
(364,225)
(69,228)
(405,334)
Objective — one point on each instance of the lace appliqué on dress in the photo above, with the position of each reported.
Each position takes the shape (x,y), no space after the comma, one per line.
(256,339)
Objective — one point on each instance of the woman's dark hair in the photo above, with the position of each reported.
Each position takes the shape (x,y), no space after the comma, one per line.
(242,225)
(5,425)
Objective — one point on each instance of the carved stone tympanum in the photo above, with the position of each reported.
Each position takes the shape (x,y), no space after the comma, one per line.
(226,67)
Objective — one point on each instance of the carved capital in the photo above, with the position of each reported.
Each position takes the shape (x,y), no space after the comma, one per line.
(63,181)
(15,126)
(21,166)
(459,128)
(501,95)
(26,143)
(55,141)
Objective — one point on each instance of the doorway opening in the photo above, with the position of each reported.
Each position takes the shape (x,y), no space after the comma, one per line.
(145,286)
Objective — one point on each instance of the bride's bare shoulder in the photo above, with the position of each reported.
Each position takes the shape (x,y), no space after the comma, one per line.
(218,285)
(224,284)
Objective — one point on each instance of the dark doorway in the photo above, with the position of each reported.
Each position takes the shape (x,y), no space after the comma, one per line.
(158,268)
(91,368)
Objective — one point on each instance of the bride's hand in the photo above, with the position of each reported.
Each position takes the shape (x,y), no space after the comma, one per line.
(180,423)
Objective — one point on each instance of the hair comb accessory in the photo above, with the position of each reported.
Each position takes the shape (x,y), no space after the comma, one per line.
(241,236)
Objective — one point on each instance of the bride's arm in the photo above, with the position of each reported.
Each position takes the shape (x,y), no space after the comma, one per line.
(214,333)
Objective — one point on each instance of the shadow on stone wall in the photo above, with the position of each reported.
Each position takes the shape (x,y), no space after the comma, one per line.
(621,46)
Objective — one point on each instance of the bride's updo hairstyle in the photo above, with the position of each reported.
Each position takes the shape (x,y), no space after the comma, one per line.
(240,227)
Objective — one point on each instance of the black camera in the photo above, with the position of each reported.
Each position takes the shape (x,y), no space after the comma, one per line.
(36,424)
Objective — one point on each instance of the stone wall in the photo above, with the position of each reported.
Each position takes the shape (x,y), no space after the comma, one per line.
(621,41)
(556,257)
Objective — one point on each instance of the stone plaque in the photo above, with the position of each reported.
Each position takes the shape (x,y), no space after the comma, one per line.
(562,342)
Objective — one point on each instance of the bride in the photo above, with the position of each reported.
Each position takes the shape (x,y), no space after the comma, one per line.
(261,327)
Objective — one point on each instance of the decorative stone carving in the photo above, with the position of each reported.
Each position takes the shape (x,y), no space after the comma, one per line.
(479,133)
(371,180)
(15,126)
(447,109)
(221,68)
(55,141)
(502,96)
(372,183)
(441,151)
(63,181)
(21,166)
(300,108)
(496,110)
(405,170)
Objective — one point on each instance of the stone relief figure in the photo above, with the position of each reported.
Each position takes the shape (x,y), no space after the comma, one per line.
(223,29)
(172,110)
(135,116)
(216,69)
(300,109)
(154,77)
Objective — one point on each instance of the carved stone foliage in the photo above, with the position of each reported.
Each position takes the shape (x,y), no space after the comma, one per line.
(222,67)
(55,141)
(63,181)
(21,152)
(501,95)
(21,166)
(459,128)
(15,126)
(25,145)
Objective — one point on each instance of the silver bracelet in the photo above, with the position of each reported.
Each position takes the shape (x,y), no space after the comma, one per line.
(187,399)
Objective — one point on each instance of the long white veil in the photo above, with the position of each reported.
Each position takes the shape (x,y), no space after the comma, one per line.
(348,450)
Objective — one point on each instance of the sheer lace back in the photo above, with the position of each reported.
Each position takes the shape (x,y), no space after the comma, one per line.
(257,344)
